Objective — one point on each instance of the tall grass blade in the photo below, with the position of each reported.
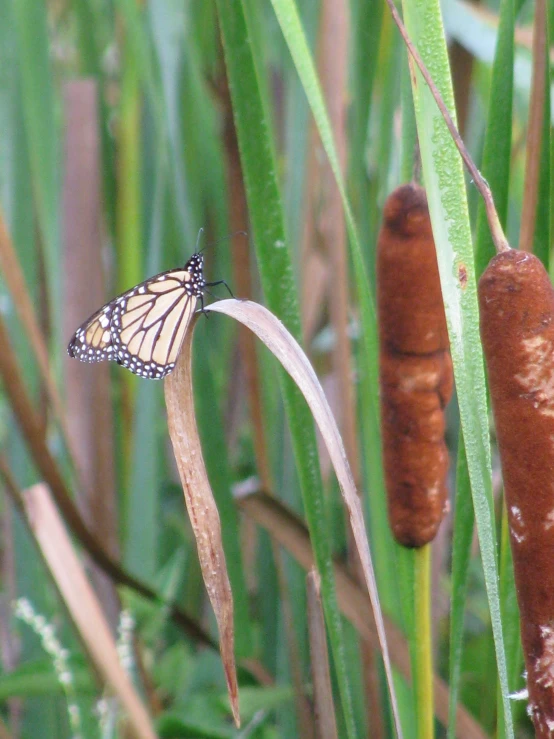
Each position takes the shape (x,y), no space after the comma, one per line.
(461,551)
(444,182)
(39,105)
(266,217)
(289,21)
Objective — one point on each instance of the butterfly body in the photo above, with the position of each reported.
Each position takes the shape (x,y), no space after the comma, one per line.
(143,328)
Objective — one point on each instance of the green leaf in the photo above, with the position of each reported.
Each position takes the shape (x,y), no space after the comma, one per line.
(461,553)
(497,150)
(543,233)
(39,112)
(142,518)
(444,182)
(38,678)
(264,201)
(289,21)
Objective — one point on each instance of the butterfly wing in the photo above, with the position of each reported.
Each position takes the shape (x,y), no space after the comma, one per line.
(143,329)
(93,341)
(149,324)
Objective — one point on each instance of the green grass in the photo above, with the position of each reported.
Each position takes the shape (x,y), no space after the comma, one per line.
(165,73)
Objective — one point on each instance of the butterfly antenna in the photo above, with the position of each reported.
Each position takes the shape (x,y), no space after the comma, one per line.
(200,232)
(223,238)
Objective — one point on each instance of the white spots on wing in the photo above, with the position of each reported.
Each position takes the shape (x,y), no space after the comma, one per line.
(143,329)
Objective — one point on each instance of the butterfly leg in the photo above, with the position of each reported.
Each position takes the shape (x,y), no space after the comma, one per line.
(220,282)
(202,307)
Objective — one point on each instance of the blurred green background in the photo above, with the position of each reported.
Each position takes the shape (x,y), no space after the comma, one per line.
(118,141)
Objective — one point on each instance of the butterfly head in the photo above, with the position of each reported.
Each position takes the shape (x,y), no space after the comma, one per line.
(195,268)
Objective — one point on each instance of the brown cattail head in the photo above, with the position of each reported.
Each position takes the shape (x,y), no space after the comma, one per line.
(415,368)
(413,322)
(516,302)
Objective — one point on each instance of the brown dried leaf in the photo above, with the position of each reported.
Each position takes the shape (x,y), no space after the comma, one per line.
(286,349)
(12,273)
(201,508)
(82,603)
(4,733)
(87,388)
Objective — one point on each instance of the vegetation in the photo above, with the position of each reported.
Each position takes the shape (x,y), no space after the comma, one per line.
(126,127)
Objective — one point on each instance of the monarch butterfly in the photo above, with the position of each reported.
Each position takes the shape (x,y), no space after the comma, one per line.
(143,328)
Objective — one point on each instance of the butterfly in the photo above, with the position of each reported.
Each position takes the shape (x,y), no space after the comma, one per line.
(143,328)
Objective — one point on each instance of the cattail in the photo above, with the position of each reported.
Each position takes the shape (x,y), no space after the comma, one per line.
(516,303)
(415,368)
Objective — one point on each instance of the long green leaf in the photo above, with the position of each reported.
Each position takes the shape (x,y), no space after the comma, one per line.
(264,201)
(498,137)
(543,234)
(496,169)
(461,553)
(156,70)
(165,17)
(38,99)
(287,15)
(444,181)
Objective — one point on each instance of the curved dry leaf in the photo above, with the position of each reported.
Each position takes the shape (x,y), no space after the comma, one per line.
(201,508)
(286,349)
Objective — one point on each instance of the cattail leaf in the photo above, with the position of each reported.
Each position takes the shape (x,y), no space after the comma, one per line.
(82,603)
(444,182)
(243,63)
(42,135)
(201,507)
(287,350)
